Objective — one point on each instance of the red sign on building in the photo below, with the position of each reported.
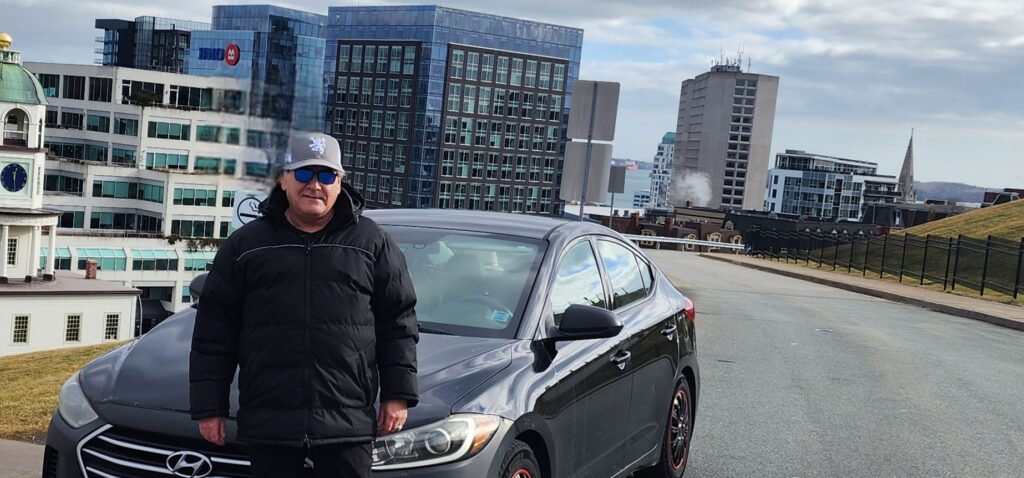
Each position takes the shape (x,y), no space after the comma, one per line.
(232,54)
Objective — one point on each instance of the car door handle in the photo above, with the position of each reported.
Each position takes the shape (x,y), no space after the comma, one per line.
(621,359)
(669,331)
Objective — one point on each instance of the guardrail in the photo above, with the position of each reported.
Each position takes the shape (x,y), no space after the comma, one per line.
(643,240)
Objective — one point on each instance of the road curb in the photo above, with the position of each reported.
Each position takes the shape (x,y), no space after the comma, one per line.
(934,306)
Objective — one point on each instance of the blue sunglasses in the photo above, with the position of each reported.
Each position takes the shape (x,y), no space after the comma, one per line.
(325,177)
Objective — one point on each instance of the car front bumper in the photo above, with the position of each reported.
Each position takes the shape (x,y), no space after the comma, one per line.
(65,445)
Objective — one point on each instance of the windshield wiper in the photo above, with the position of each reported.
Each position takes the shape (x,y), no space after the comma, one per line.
(430,330)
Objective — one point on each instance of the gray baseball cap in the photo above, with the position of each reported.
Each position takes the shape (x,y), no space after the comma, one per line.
(313,149)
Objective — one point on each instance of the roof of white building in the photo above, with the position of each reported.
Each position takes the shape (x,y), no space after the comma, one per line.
(66,283)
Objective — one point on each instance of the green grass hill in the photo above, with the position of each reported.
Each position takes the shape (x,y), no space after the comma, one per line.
(1005,221)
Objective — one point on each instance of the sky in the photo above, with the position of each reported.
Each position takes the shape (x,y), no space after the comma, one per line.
(855,76)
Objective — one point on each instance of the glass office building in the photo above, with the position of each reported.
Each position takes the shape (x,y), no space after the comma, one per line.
(279,50)
(147,43)
(438,107)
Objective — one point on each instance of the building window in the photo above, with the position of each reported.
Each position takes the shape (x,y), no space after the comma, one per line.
(98,123)
(112,327)
(20,335)
(107,259)
(166,161)
(73,328)
(72,220)
(124,157)
(257,170)
(176,131)
(195,197)
(228,199)
(192,228)
(126,126)
(12,251)
(61,262)
(101,89)
(74,87)
(70,120)
(154,260)
(205,164)
(51,84)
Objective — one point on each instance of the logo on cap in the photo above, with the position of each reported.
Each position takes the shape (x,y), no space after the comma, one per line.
(318,145)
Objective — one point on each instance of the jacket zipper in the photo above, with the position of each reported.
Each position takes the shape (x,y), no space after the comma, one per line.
(306,359)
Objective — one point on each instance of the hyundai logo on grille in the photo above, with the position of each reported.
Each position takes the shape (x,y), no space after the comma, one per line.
(189,464)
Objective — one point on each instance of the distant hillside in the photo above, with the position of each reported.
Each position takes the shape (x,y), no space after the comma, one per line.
(1005,221)
(950,192)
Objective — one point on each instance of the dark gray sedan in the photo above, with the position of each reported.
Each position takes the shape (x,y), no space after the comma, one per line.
(548,349)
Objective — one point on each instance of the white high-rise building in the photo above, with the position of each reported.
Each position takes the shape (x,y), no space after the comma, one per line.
(661,176)
(143,168)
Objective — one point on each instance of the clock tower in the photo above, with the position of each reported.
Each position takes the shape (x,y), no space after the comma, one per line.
(22,162)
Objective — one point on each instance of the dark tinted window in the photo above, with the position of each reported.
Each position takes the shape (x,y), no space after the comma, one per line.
(577,281)
(623,273)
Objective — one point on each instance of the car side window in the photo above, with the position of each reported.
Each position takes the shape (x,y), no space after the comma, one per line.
(623,273)
(645,273)
(577,281)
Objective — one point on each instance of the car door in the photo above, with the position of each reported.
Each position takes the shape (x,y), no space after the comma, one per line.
(654,351)
(594,444)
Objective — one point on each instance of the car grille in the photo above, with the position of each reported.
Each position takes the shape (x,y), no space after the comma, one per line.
(121,452)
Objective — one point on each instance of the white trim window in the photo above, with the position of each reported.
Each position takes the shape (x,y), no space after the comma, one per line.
(73,328)
(12,251)
(112,327)
(20,333)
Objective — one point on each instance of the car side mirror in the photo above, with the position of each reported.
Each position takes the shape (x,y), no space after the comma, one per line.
(582,322)
(195,288)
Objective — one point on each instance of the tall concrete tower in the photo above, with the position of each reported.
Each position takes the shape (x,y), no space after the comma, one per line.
(724,138)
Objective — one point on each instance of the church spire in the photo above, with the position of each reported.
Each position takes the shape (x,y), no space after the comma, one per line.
(907,173)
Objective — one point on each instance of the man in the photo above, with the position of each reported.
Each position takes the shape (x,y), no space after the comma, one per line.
(314,306)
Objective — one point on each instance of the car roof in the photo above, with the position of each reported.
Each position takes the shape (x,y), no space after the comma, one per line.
(523,225)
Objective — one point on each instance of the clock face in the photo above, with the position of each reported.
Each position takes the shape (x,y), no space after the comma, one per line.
(13,177)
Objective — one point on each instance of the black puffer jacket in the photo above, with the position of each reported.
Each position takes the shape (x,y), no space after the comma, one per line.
(314,324)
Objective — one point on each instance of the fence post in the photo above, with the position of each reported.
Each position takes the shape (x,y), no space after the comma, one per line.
(949,254)
(903,257)
(956,261)
(849,265)
(867,250)
(885,245)
(1020,265)
(924,261)
(984,265)
(835,253)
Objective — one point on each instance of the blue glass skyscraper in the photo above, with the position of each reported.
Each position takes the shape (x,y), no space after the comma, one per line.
(279,49)
(438,107)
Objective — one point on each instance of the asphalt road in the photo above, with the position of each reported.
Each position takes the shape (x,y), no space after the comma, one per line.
(803,380)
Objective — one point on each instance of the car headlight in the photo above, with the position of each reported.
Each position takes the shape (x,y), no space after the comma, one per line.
(73,406)
(452,439)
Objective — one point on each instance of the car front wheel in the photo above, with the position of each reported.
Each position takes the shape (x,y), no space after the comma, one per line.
(519,462)
(678,431)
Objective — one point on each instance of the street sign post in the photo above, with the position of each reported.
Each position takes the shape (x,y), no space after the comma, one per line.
(594,109)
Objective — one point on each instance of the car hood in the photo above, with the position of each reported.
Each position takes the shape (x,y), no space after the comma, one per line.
(152,372)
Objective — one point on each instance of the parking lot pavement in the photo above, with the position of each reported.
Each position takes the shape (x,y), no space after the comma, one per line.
(20,460)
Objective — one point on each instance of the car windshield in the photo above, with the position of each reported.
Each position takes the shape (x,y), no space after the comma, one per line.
(469,283)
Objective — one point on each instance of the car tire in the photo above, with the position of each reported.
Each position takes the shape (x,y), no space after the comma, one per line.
(519,462)
(675,449)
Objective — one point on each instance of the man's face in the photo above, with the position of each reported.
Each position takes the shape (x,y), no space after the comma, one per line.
(311,198)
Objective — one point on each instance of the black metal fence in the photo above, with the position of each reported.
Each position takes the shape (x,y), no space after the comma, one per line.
(981,265)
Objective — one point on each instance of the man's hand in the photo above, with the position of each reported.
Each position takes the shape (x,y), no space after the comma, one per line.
(213,429)
(393,414)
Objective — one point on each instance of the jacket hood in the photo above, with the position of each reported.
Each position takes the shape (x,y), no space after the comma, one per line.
(348,208)
(152,372)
